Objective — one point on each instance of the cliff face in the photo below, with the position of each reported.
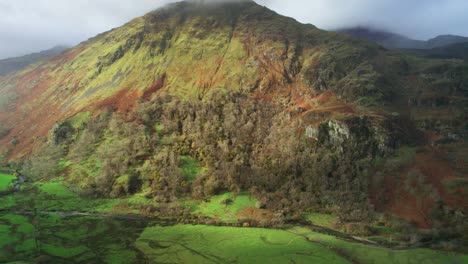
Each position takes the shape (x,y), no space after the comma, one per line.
(259,101)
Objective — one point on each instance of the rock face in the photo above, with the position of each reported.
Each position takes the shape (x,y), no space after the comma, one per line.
(335,133)
(195,99)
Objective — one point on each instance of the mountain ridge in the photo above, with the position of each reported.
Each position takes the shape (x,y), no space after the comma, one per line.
(396,41)
(9,65)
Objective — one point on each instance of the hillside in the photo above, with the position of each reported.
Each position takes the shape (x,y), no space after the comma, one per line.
(196,105)
(18,63)
(395,41)
(454,51)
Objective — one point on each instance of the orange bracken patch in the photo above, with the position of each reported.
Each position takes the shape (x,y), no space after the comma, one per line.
(431,163)
(258,215)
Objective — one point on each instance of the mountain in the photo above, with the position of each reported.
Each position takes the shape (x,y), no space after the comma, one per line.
(453,51)
(18,63)
(395,41)
(445,40)
(195,100)
(386,39)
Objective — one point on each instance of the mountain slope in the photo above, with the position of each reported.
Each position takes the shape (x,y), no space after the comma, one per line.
(196,100)
(395,41)
(386,39)
(15,64)
(166,50)
(445,40)
(454,51)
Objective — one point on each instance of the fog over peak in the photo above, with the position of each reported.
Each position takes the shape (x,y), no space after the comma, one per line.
(27,26)
(218,1)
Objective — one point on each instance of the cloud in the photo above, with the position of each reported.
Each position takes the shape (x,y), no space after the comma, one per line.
(28,26)
(31,25)
(421,19)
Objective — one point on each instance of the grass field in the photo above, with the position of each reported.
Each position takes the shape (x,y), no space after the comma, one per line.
(208,244)
(225,207)
(55,196)
(5,181)
(81,239)
(65,239)
(320,219)
(56,189)
(361,253)
(58,239)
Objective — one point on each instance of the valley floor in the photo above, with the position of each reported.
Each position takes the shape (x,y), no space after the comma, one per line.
(47,223)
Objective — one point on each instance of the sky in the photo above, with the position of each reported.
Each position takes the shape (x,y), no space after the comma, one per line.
(32,25)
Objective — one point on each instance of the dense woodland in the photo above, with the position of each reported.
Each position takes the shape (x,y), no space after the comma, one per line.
(239,144)
(236,144)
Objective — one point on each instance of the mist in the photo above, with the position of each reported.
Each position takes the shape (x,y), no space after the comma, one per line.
(418,19)
(29,26)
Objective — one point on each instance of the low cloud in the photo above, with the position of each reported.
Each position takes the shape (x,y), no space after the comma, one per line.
(420,19)
(27,26)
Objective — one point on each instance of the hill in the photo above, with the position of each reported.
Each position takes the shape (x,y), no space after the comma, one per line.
(194,102)
(15,64)
(395,41)
(454,51)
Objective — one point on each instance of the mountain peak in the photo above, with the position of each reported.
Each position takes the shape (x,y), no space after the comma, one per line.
(205,2)
(220,8)
(444,40)
(210,3)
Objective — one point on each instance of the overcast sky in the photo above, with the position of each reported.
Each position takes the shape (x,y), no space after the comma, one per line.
(32,25)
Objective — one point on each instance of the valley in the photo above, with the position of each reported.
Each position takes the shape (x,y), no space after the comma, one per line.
(45,222)
(227,133)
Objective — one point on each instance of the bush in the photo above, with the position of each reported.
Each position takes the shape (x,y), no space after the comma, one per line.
(4,130)
(44,162)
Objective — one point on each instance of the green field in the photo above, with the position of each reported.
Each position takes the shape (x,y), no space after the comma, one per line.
(115,240)
(209,244)
(225,207)
(55,239)
(362,253)
(320,219)
(55,196)
(5,181)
